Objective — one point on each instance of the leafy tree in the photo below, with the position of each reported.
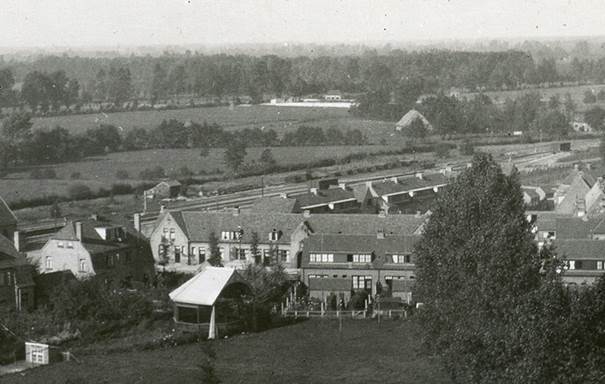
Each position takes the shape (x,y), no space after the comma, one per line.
(215,255)
(569,106)
(595,117)
(79,191)
(475,264)
(55,210)
(235,154)
(7,81)
(266,157)
(553,123)
(442,150)
(159,83)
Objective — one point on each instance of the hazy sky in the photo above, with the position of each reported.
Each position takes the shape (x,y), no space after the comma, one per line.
(26,23)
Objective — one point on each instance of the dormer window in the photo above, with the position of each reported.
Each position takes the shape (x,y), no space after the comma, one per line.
(402,259)
(232,235)
(60,244)
(70,244)
(274,235)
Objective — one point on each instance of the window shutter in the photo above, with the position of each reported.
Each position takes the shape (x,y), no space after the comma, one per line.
(350,258)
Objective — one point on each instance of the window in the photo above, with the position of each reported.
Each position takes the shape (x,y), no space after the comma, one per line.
(165,234)
(318,276)
(109,261)
(49,263)
(321,258)
(360,258)
(201,255)
(599,265)
(402,259)
(571,264)
(70,244)
(177,254)
(231,235)
(240,253)
(274,235)
(284,255)
(362,282)
(60,244)
(82,265)
(172,234)
(552,235)
(128,258)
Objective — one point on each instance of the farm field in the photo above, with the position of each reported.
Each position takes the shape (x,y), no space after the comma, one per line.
(308,352)
(576,92)
(100,171)
(281,119)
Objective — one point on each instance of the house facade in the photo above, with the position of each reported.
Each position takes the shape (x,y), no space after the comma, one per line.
(97,246)
(181,239)
(343,264)
(164,189)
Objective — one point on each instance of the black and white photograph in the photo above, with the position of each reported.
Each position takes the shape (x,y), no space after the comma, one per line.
(302,191)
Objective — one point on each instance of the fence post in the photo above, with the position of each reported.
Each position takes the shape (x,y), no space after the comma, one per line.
(405,314)
(390,313)
(295,314)
(307,314)
(322,310)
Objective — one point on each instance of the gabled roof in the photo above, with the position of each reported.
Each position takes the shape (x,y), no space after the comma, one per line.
(365,224)
(206,286)
(172,183)
(7,217)
(409,118)
(581,249)
(531,193)
(410,183)
(274,205)
(324,196)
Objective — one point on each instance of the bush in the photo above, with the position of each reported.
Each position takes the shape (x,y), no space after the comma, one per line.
(122,174)
(79,192)
(442,150)
(467,148)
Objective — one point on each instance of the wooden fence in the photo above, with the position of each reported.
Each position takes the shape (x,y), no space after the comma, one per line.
(359,314)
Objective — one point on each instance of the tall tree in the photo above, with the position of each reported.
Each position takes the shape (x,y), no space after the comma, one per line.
(159,83)
(475,262)
(235,153)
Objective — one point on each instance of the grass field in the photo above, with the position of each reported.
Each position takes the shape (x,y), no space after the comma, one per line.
(308,352)
(281,119)
(576,92)
(100,171)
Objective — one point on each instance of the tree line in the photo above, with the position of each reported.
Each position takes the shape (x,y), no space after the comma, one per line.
(20,144)
(120,79)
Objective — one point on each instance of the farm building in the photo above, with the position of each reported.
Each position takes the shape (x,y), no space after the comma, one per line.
(333,95)
(410,118)
(213,296)
(165,189)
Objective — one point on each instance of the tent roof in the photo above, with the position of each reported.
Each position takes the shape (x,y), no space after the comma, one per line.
(411,116)
(205,287)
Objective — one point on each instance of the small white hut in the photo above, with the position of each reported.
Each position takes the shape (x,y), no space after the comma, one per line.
(210,297)
(410,117)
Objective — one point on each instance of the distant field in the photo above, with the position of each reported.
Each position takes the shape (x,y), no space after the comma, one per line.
(100,171)
(281,119)
(576,92)
(309,352)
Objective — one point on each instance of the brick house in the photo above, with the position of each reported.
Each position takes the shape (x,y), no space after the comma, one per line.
(97,246)
(342,264)
(407,194)
(180,239)
(585,259)
(16,282)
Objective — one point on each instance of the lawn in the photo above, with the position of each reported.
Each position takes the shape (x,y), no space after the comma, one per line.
(309,352)
(281,119)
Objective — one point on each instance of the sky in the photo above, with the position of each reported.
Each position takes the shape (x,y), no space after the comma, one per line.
(119,23)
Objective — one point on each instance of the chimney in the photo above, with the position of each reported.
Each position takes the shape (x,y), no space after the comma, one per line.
(94,217)
(137,222)
(588,166)
(17,240)
(419,175)
(162,208)
(78,230)
(313,191)
(576,166)
(236,211)
(306,213)
(418,214)
(380,234)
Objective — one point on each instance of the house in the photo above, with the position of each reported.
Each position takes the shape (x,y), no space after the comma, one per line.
(410,118)
(585,259)
(333,95)
(581,127)
(407,194)
(181,239)
(211,297)
(16,282)
(164,190)
(108,247)
(8,220)
(341,264)
(276,204)
(533,196)
(580,193)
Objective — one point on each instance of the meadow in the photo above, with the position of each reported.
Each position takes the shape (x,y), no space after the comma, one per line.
(100,171)
(309,352)
(281,119)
